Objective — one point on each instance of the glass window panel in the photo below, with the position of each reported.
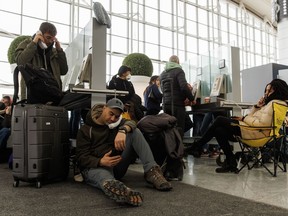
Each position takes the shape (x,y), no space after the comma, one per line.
(30,25)
(180,41)
(191,12)
(6,78)
(165,54)
(202,16)
(12,6)
(224,37)
(166,20)
(105,4)
(181,9)
(84,16)
(157,70)
(138,13)
(192,45)
(165,38)
(232,11)
(232,26)
(233,40)
(151,50)
(116,63)
(258,47)
(119,44)
(151,34)
(203,31)
(223,7)
(224,24)
(152,3)
(138,46)
(138,31)
(63,33)
(120,7)
(191,27)
(151,15)
(30,8)
(117,21)
(166,6)
(59,12)
(181,27)
(257,35)
(202,3)
(6,26)
(4,44)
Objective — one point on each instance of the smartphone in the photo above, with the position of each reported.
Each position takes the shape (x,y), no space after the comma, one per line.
(115,152)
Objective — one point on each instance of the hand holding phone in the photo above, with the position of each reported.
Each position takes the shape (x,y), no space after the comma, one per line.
(40,42)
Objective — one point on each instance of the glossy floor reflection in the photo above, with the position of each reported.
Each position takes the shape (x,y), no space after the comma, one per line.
(256,184)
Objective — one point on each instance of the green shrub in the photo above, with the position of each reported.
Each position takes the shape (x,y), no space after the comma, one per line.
(14,44)
(139,63)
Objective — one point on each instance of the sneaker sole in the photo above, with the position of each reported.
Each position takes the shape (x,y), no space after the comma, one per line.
(119,192)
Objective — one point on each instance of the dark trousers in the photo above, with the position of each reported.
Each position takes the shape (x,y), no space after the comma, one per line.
(180,115)
(224,132)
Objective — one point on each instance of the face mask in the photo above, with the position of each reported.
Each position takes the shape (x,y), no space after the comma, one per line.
(128,77)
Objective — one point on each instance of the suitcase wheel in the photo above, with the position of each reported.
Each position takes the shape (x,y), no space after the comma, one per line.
(16,183)
(38,184)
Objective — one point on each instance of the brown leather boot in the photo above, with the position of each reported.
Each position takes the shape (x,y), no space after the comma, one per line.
(155,176)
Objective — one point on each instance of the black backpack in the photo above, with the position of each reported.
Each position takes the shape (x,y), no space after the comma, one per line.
(41,85)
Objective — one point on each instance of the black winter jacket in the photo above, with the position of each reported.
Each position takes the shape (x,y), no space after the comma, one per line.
(180,87)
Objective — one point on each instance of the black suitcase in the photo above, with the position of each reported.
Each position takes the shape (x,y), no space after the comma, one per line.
(40,139)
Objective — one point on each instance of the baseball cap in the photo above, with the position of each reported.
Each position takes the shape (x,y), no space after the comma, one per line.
(115,103)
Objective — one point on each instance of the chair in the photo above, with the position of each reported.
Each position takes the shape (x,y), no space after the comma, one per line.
(253,150)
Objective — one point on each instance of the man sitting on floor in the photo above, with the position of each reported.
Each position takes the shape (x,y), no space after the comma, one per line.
(105,153)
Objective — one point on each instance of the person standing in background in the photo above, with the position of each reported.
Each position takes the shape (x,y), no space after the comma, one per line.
(39,51)
(182,95)
(153,96)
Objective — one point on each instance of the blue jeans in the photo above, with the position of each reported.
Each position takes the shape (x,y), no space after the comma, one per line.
(135,145)
(4,135)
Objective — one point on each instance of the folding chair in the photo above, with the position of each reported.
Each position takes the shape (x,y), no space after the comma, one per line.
(252,149)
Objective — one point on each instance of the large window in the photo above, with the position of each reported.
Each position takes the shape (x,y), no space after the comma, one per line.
(158,28)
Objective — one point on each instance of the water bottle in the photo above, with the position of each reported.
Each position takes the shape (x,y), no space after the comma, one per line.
(190,159)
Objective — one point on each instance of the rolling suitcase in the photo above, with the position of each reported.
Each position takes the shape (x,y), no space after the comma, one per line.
(40,139)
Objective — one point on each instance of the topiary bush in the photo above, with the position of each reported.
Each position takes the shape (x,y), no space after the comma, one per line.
(14,44)
(139,63)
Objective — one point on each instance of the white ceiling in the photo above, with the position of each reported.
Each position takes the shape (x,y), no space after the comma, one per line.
(262,8)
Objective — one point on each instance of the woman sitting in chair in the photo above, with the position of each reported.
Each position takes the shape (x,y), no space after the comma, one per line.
(260,115)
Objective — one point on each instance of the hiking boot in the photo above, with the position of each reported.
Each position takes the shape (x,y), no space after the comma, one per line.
(119,192)
(155,176)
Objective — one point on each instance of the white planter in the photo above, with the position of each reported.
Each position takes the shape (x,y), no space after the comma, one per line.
(140,83)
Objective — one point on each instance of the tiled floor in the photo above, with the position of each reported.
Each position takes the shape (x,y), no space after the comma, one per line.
(256,184)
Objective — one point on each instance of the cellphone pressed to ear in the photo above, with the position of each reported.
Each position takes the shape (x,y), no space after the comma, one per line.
(41,43)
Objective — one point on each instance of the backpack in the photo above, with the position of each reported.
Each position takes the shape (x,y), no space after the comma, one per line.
(41,85)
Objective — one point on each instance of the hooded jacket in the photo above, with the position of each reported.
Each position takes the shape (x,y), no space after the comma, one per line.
(180,87)
(50,59)
(93,140)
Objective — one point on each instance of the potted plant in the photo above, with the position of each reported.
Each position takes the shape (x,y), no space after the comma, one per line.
(142,69)
(12,48)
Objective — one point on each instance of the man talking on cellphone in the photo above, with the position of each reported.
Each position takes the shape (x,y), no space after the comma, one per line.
(39,50)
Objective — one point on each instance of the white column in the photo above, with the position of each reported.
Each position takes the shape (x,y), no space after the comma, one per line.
(283,41)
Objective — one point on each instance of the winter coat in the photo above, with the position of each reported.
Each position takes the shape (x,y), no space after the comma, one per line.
(29,52)
(93,140)
(121,85)
(258,117)
(180,87)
